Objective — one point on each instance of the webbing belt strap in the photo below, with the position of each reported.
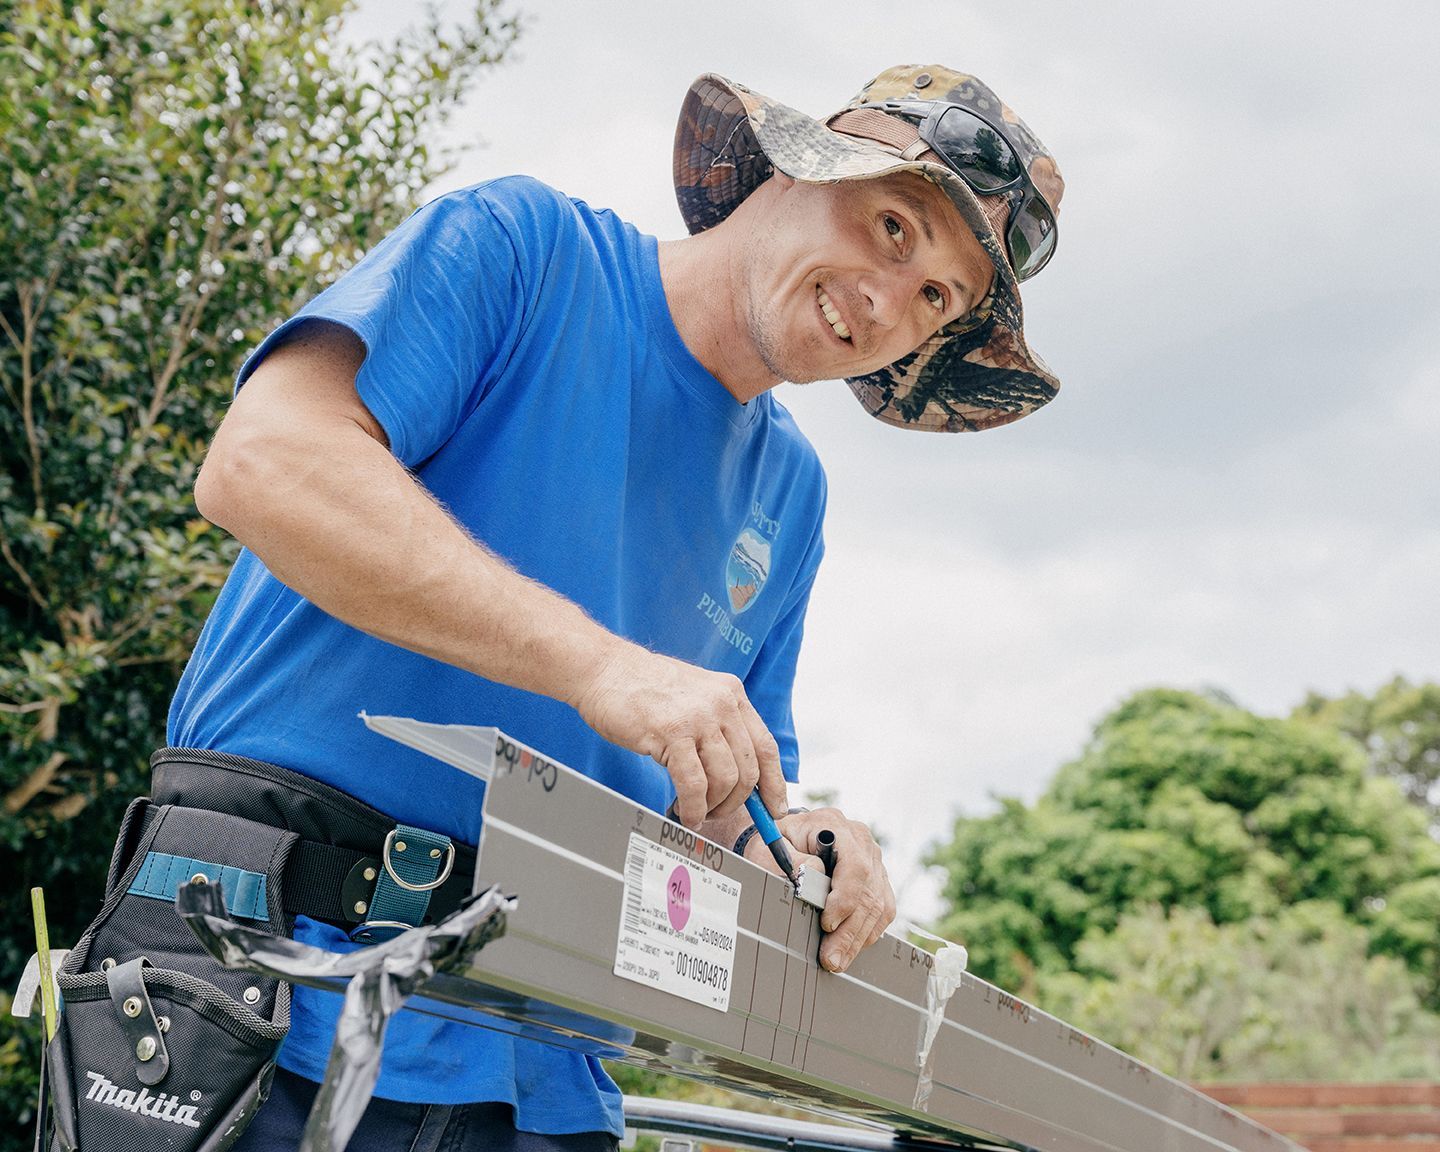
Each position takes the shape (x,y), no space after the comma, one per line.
(882,128)
(346,867)
(316,874)
(414,862)
(323,881)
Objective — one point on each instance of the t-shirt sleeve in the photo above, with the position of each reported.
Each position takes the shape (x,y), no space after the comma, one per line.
(437,305)
(771,680)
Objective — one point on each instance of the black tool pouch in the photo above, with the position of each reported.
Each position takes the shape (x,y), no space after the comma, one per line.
(159,1045)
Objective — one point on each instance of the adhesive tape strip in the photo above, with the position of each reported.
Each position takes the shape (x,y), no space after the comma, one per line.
(945,977)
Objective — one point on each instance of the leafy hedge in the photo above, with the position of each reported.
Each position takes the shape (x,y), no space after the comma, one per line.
(176,176)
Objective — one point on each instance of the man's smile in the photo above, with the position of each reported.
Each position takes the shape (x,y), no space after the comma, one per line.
(832,315)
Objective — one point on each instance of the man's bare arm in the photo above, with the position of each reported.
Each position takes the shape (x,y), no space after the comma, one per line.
(300,472)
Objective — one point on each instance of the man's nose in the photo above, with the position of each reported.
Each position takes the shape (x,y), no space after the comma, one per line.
(890,294)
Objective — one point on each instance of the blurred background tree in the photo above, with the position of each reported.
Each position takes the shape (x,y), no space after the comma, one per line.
(1190,828)
(177,177)
(1296,996)
(1399,728)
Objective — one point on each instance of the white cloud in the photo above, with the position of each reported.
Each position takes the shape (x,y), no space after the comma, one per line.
(1236,486)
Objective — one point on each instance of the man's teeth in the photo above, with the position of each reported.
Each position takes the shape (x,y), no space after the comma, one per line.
(831,314)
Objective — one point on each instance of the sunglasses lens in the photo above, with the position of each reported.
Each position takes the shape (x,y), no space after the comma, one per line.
(975,150)
(1031,237)
(985,160)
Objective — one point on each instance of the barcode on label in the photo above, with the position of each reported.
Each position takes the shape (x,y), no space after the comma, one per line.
(634,881)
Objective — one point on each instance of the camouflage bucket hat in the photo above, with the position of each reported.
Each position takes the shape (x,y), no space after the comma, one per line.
(975,373)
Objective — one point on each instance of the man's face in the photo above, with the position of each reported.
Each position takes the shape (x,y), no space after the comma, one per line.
(843,279)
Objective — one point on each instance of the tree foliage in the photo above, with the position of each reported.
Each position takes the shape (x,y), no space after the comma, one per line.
(177,176)
(1188,801)
(1399,728)
(1295,996)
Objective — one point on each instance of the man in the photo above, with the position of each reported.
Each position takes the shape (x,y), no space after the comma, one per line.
(522,466)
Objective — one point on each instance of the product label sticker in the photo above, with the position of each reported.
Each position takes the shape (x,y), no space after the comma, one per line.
(677,925)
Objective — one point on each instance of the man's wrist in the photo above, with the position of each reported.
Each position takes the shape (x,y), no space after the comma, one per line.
(590,653)
(743,840)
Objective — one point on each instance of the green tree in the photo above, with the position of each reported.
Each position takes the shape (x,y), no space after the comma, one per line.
(177,176)
(1399,728)
(1296,996)
(1188,801)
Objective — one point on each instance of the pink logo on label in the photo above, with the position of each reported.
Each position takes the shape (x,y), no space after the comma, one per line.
(677,897)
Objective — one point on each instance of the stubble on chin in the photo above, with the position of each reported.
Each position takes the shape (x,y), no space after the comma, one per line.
(785,358)
(778,357)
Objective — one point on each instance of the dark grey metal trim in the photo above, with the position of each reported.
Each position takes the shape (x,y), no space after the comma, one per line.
(731,1127)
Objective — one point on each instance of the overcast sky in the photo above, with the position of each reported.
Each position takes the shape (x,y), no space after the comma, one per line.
(1237,485)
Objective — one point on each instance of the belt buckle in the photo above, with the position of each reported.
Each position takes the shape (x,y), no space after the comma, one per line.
(378,931)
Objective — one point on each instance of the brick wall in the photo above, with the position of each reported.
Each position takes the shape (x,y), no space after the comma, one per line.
(1397,1117)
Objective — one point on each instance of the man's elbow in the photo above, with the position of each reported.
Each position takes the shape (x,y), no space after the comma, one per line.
(237,472)
(297,421)
(210,491)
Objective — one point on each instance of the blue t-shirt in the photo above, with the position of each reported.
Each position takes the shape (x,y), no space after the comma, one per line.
(522,359)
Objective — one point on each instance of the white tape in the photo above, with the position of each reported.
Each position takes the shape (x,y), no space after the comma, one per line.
(945,977)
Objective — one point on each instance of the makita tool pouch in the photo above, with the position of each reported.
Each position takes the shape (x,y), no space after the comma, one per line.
(159,1045)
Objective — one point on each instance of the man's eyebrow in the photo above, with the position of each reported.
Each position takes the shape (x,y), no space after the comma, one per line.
(916,203)
(921,210)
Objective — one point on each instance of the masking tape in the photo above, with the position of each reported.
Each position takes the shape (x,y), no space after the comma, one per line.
(945,977)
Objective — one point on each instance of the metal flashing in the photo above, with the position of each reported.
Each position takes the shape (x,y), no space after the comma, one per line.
(1001,1072)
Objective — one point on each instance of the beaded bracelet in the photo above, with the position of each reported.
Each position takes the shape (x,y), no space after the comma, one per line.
(744,837)
(743,840)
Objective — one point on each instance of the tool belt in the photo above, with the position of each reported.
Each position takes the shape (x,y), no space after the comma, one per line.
(159,1045)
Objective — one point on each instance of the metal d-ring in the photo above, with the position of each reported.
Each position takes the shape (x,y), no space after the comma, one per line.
(439,880)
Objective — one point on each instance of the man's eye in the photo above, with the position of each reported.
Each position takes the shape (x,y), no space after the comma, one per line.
(935,296)
(895,229)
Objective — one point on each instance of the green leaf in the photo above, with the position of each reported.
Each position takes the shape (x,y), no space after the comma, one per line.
(121,123)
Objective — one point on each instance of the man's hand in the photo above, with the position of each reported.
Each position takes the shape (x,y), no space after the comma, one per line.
(699,724)
(861,904)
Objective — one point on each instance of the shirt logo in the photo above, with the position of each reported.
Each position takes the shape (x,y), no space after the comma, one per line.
(747,569)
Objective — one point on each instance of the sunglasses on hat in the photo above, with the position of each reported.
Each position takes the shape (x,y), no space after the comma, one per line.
(982,155)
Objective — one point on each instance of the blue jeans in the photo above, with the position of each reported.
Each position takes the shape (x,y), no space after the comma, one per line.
(389,1126)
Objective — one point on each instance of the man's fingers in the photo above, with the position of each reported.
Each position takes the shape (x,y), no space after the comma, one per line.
(841,946)
(741,758)
(682,760)
(644,701)
(865,924)
(771,777)
(884,903)
(855,877)
(861,904)
(742,744)
(803,860)
(721,774)
(887,896)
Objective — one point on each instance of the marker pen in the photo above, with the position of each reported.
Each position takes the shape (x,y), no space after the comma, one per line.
(769,833)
